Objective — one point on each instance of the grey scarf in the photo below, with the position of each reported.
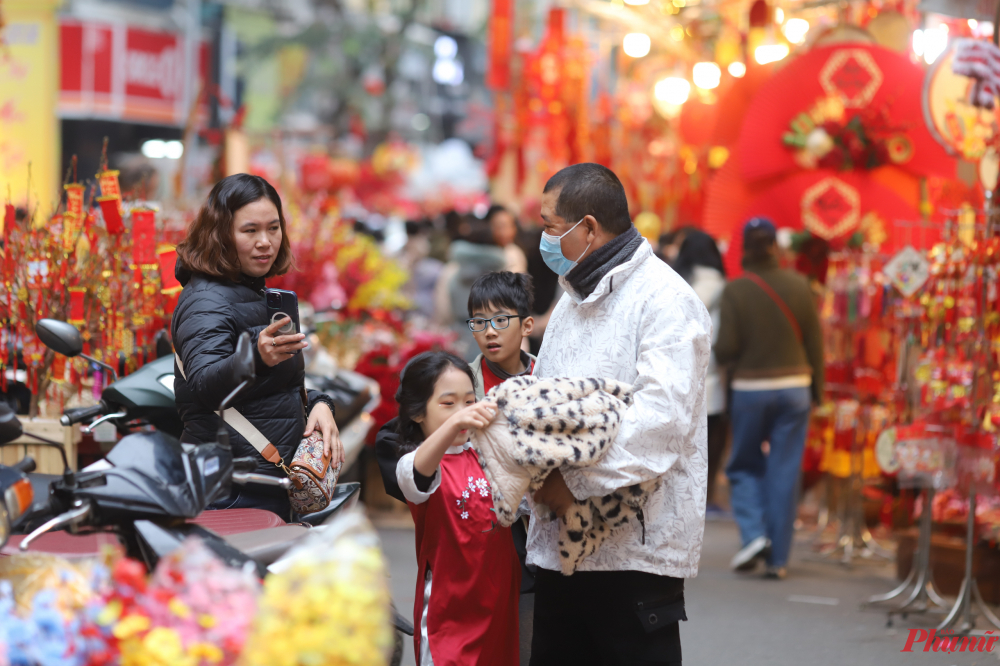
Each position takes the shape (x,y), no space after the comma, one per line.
(585,277)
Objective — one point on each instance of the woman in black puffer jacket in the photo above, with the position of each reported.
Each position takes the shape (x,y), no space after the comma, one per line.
(238,240)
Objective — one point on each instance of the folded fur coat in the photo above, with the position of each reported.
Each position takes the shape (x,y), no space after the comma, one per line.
(551,423)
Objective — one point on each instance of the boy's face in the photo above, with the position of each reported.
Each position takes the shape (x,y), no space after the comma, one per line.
(505,344)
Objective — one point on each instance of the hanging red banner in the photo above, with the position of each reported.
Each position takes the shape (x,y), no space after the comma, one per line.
(72,224)
(501,37)
(76,295)
(167,257)
(9,219)
(74,199)
(108,181)
(143,236)
(111,207)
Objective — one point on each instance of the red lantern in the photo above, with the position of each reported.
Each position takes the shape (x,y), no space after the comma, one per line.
(9,219)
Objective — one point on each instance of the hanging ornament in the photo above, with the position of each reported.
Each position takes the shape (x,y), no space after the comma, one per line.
(74,199)
(166,255)
(9,219)
(76,316)
(143,236)
(111,207)
(908,271)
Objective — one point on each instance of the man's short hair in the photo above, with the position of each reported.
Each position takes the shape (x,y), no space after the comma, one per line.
(591,189)
(503,289)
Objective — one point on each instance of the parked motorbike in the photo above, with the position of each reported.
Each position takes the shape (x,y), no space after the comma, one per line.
(146,397)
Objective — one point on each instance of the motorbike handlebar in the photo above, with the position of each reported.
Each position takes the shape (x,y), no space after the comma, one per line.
(263,480)
(246,464)
(80,414)
(25,465)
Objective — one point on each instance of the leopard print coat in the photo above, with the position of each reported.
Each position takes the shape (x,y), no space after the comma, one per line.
(551,423)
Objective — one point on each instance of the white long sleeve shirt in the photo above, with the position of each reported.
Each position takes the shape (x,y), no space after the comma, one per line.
(643,325)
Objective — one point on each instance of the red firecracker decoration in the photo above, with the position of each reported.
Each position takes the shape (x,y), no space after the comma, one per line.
(76,312)
(74,199)
(167,257)
(143,236)
(111,207)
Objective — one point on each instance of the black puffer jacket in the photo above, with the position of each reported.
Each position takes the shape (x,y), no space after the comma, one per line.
(211,313)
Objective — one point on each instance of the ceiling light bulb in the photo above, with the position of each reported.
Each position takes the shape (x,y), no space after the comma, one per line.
(768,53)
(737,69)
(706,75)
(795,30)
(636,44)
(672,90)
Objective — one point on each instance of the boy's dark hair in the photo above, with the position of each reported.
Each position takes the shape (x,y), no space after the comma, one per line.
(503,289)
(416,387)
(591,189)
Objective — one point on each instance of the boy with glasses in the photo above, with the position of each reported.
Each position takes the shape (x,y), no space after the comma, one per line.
(500,319)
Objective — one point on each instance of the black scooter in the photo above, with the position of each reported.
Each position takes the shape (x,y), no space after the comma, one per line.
(150,485)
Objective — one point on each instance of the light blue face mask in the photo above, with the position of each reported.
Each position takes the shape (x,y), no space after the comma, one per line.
(552,254)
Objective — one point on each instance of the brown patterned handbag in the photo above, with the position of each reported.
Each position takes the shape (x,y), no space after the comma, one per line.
(313,476)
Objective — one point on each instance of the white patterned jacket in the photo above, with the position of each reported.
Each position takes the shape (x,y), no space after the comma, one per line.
(643,325)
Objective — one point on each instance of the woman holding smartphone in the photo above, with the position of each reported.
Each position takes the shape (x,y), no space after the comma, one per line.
(237,240)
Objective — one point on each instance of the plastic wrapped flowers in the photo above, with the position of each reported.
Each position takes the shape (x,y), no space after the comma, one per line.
(326,603)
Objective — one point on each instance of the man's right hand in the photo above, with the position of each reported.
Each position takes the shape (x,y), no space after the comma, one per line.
(273,350)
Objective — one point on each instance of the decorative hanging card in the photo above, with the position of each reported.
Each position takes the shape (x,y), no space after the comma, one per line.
(111,207)
(143,236)
(908,271)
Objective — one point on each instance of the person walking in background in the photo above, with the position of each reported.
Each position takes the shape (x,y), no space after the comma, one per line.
(700,263)
(504,228)
(770,337)
(469,257)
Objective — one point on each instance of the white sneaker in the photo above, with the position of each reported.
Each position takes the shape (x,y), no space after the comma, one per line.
(750,554)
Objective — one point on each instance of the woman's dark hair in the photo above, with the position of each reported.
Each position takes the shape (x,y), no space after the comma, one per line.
(210,247)
(698,249)
(416,388)
(503,289)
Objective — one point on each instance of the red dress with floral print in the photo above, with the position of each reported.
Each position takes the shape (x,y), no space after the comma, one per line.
(476,578)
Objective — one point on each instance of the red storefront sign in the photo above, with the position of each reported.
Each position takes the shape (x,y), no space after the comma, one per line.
(112,70)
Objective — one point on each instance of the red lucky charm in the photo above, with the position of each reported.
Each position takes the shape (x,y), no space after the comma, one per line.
(9,219)
(111,207)
(108,181)
(72,224)
(167,257)
(74,199)
(76,295)
(143,236)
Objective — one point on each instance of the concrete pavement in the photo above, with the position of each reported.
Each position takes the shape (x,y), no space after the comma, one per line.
(810,619)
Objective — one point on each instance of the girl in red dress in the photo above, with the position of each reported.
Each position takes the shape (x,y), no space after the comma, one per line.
(469,577)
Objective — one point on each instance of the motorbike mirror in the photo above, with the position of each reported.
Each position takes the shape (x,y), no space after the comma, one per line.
(244,366)
(10,426)
(60,337)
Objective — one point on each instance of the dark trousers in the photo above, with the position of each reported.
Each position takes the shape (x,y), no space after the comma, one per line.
(607,618)
(718,432)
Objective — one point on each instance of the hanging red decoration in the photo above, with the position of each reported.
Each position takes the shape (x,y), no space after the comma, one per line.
(501,27)
(72,225)
(74,199)
(108,181)
(111,207)
(143,236)
(167,257)
(9,219)
(76,313)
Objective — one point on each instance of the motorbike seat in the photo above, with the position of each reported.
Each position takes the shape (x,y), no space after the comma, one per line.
(266,546)
(345,495)
(233,521)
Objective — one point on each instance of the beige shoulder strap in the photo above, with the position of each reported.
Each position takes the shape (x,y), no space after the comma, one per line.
(240,424)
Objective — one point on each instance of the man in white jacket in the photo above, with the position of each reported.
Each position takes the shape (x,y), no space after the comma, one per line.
(627,316)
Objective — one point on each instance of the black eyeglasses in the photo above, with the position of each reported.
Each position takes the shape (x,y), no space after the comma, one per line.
(500,322)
